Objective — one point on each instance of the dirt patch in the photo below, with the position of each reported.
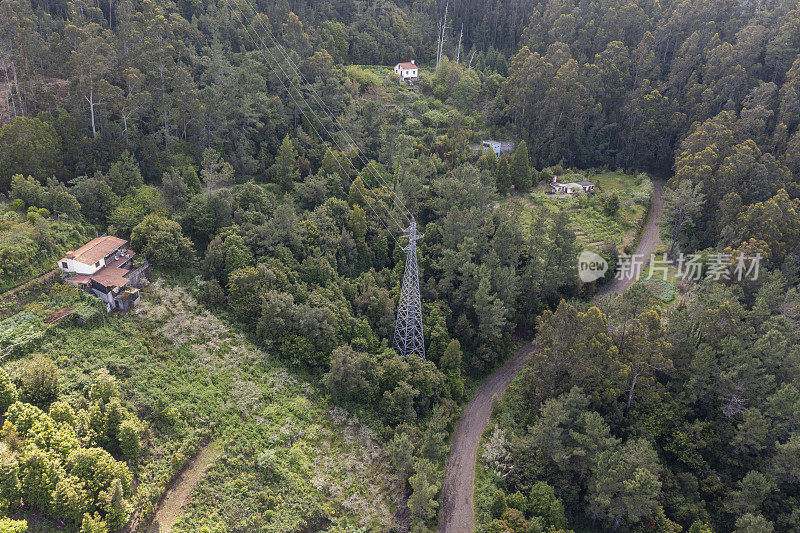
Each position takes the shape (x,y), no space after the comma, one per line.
(648,244)
(170,508)
(57,316)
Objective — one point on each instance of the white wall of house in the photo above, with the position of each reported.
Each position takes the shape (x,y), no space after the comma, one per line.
(80,268)
(406,73)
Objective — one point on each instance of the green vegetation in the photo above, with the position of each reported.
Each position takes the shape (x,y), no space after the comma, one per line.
(612,216)
(193,378)
(172,125)
(31,245)
(685,412)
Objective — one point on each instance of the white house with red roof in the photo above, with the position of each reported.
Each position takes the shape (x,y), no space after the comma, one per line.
(407,71)
(104,266)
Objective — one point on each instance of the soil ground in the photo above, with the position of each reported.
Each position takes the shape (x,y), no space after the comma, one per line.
(170,508)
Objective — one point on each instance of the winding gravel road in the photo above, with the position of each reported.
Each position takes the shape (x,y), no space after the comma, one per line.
(457,514)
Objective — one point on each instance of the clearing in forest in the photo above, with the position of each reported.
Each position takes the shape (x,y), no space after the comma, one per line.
(593,217)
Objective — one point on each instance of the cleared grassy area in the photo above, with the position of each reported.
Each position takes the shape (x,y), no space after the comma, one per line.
(594,225)
(288,459)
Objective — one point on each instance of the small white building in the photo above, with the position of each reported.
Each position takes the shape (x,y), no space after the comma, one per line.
(407,71)
(571,187)
(498,147)
(104,267)
(91,257)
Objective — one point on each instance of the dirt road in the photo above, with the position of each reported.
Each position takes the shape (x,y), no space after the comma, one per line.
(457,514)
(648,243)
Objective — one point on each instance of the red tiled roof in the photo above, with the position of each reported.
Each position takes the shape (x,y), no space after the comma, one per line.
(111,277)
(407,66)
(96,249)
(82,279)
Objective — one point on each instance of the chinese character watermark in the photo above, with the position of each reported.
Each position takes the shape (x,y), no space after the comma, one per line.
(690,267)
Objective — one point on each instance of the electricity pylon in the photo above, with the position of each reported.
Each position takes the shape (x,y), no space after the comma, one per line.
(408,337)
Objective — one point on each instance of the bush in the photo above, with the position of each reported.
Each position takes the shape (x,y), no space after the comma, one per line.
(211,294)
(498,505)
(104,386)
(268,463)
(610,204)
(129,438)
(17,205)
(8,525)
(10,486)
(93,524)
(8,392)
(518,501)
(39,382)
(33,215)
(62,413)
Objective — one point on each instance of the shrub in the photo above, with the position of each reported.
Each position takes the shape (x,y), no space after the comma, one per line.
(104,386)
(93,524)
(211,294)
(70,499)
(268,463)
(8,525)
(10,485)
(117,509)
(517,501)
(17,205)
(498,505)
(8,392)
(39,382)
(129,438)
(62,413)
(27,190)
(33,215)
(542,502)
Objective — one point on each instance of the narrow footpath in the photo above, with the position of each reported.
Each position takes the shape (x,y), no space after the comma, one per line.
(170,508)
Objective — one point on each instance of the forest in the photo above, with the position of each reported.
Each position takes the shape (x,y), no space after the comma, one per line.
(263,157)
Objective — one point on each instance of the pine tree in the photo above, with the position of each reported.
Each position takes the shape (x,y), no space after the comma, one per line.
(502,175)
(422,502)
(285,171)
(216,171)
(520,168)
(117,509)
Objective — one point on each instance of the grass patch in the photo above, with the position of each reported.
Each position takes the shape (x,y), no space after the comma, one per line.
(288,459)
(593,224)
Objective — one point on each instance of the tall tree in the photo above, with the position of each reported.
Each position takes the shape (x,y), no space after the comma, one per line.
(681,206)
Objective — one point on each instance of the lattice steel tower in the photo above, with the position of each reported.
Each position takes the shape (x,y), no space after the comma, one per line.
(408,337)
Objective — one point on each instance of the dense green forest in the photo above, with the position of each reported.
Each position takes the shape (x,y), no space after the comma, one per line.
(262,156)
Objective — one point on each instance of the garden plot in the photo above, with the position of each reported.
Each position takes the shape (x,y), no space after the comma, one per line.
(595,223)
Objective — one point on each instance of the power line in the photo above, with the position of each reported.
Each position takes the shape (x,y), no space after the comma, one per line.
(408,335)
(311,124)
(324,107)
